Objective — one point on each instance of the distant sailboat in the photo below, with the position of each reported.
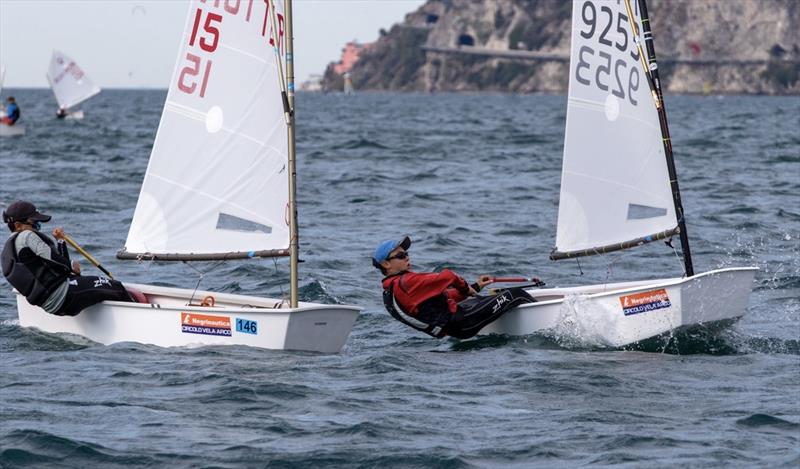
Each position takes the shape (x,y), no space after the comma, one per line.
(7,130)
(70,85)
(619,190)
(220,185)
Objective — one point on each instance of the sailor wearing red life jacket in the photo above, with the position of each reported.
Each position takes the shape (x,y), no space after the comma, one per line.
(438,303)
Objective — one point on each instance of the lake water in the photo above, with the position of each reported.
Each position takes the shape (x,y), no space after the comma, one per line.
(474,180)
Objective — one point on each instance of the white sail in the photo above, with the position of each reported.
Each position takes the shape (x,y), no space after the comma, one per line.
(2,77)
(69,83)
(615,184)
(217,182)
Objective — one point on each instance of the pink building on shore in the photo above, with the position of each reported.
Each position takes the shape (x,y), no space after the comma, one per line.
(350,54)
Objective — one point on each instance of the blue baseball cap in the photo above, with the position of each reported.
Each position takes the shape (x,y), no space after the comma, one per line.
(386,247)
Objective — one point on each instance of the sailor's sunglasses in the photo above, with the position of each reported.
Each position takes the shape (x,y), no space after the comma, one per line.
(399,255)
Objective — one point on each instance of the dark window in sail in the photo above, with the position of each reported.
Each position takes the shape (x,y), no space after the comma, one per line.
(640,212)
(233,223)
(466,40)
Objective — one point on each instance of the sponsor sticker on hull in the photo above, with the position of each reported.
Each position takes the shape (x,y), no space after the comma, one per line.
(205,324)
(644,302)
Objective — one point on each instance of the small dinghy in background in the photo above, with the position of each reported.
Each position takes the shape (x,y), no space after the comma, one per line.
(7,130)
(12,130)
(619,190)
(70,85)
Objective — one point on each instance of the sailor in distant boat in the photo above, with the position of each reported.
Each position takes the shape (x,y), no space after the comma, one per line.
(12,112)
(61,113)
(40,269)
(438,303)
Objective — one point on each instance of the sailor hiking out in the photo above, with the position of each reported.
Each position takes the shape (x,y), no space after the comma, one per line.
(438,303)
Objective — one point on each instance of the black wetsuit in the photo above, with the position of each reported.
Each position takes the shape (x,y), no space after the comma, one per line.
(477,312)
(472,314)
(85,291)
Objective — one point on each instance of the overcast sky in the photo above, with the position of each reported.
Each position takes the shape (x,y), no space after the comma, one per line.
(132,44)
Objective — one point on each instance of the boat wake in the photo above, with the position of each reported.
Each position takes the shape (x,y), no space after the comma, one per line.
(697,340)
(579,324)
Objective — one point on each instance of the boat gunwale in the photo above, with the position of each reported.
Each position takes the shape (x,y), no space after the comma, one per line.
(657,283)
(178,293)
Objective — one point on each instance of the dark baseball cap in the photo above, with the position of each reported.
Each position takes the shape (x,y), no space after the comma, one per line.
(23,210)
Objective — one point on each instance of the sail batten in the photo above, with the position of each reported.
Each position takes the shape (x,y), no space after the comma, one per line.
(216,185)
(615,186)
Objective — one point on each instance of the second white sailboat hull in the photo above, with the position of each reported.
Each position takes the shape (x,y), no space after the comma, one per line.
(616,315)
(11,130)
(234,320)
(75,115)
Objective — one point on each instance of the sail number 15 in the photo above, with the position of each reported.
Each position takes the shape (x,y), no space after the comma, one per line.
(205,37)
(206,40)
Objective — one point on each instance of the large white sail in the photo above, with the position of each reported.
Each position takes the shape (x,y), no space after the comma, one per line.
(615,185)
(217,182)
(69,83)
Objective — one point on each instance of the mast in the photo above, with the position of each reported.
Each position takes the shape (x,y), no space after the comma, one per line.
(289,100)
(662,118)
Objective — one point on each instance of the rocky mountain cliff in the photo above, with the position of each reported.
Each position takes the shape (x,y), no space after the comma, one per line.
(703,46)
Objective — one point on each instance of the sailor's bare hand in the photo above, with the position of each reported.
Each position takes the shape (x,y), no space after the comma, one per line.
(484,280)
(58,233)
(76,267)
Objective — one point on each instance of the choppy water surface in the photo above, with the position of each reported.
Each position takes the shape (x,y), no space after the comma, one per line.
(474,180)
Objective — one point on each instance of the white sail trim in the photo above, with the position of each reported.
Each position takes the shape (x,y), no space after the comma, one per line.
(217,181)
(613,150)
(69,83)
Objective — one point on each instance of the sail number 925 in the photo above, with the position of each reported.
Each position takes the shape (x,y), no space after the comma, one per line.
(595,65)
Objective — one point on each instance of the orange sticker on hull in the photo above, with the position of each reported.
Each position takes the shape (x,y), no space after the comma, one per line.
(644,302)
(192,323)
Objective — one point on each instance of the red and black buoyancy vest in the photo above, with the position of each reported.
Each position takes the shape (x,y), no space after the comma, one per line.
(431,315)
(34,277)
(397,312)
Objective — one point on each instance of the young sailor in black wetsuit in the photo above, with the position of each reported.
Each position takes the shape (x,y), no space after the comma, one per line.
(40,269)
(439,304)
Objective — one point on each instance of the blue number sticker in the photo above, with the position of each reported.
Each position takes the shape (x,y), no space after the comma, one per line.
(246,326)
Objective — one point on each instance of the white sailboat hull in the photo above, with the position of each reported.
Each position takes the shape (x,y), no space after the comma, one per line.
(167,322)
(11,130)
(74,115)
(654,307)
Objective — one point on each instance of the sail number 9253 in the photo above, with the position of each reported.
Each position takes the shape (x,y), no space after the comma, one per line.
(596,64)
